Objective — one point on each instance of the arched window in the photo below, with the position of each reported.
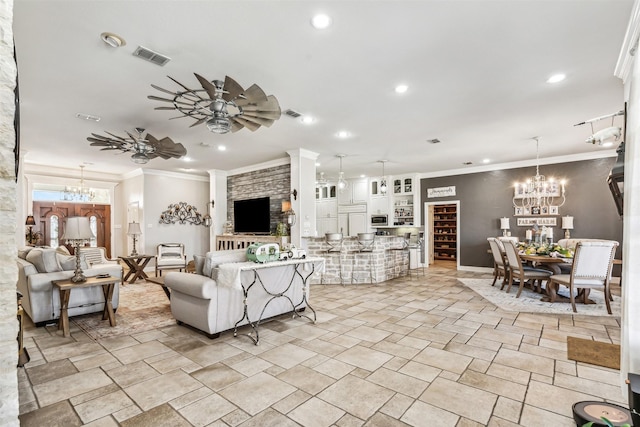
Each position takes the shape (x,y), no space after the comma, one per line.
(53,235)
(93,223)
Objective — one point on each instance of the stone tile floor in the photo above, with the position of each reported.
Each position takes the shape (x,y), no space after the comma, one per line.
(421,352)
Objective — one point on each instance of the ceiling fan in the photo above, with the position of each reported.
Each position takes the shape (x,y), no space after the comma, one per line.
(143,149)
(223,105)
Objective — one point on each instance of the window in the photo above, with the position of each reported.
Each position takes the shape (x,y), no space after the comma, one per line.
(93,224)
(53,233)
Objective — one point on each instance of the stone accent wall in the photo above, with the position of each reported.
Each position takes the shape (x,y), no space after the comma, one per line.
(274,182)
(8,205)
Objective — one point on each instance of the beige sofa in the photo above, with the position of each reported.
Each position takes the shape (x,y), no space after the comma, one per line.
(38,267)
(211,303)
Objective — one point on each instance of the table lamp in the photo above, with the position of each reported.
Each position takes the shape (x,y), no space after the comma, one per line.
(567,224)
(504,225)
(77,232)
(31,237)
(134,231)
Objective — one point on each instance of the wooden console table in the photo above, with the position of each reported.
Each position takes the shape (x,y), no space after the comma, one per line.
(65,286)
(242,241)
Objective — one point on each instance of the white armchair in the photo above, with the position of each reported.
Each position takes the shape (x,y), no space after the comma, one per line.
(170,256)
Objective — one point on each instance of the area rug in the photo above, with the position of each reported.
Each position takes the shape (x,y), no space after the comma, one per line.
(142,307)
(529,301)
(593,352)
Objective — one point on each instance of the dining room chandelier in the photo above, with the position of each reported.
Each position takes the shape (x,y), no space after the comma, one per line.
(81,193)
(538,191)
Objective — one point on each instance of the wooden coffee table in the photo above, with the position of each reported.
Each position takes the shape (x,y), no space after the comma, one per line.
(159,280)
(65,286)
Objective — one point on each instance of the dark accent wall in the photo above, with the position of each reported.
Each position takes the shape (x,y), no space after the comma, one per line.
(274,182)
(485,197)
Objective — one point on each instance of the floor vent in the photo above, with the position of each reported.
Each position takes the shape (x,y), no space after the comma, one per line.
(151,56)
(292,113)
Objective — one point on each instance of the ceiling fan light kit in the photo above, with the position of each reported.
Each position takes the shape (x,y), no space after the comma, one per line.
(224,106)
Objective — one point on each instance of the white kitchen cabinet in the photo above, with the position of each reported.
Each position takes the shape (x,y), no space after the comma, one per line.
(326,216)
(403,185)
(326,225)
(356,192)
(328,191)
(352,223)
(379,205)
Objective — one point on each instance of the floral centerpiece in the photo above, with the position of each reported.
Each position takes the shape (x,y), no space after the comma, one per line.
(548,249)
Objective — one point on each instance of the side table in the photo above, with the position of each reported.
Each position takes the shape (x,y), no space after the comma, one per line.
(65,286)
(136,266)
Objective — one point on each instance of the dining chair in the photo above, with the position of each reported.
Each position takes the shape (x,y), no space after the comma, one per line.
(500,263)
(523,273)
(592,264)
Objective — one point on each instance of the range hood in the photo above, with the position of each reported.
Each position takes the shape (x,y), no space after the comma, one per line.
(616,179)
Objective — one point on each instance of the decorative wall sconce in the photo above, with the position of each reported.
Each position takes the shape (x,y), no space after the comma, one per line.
(295,194)
(207,221)
(182,213)
(288,213)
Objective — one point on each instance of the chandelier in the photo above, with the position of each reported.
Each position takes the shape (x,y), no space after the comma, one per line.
(79,194)
(538,192)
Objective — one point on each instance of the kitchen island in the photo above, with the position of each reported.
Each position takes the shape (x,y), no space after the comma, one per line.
(349,266)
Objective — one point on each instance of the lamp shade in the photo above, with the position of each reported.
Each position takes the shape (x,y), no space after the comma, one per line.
(567,222)
(30,220)
(77,228)
(286,206)
(134,229)
(504,223)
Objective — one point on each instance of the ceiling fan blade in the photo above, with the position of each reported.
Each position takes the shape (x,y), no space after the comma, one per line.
(197,122)
(232,88)
(258,120)
(235,126)
(109,148)
(134,138)
(164,108)
(167,91)
(209,87)
(119,138)
(157,98)
(181,85)
(151,139)
(263,114)
(255,94)
(246,123)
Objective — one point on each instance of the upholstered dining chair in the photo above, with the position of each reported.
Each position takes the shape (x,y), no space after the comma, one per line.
(523,273)
(592,264)
(500,263)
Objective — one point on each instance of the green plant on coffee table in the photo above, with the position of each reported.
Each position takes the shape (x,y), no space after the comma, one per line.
(606,421)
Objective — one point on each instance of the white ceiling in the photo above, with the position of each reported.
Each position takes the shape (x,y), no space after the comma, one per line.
(476,72)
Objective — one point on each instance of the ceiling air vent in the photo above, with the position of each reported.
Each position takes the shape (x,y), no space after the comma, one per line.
(434,141)
(151,56)
(292,113)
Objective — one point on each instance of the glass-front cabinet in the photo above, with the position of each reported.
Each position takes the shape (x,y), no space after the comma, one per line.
(326,192)
(402,185)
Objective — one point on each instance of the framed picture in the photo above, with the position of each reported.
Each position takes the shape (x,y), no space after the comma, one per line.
(518,211)
(526,211)
(518,192)
(544,210)
(553,210)
(535,210)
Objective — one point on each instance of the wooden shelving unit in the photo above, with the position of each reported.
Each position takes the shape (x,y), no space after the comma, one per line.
(445,232)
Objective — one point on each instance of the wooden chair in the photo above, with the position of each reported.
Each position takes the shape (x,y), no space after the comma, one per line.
(592,264)
(500,263)
(523,273)
(170,256)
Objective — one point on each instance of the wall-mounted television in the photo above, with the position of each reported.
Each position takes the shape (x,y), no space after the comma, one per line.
(252,216)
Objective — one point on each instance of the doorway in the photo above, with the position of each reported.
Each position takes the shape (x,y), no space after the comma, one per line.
(50,219)
(442,228)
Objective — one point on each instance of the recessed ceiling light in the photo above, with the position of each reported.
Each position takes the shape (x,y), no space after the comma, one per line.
(205,144)
(401,88)
(343,134)
(112,40)
(307,120)
(317,164)
(321,21)
(607,144)
(363,176)
(88,117)
(222,148)
(486,161)
(187,159)
(186,169)
(556,78)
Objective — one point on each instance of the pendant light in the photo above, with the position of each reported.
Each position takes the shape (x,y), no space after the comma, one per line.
(342,183)
(383,180)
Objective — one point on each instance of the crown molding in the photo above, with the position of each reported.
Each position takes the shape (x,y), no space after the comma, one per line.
(260,166)
(629,45)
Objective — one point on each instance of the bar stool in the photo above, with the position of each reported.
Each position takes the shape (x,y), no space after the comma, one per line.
(333,242)
(404,255)
(417,249)
(366,242)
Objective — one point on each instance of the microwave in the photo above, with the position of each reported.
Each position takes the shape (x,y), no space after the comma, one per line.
(379,220)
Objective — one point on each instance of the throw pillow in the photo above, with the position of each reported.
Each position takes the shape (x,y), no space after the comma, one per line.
(63,250)
(22,253)
(198,260)
(45,260)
